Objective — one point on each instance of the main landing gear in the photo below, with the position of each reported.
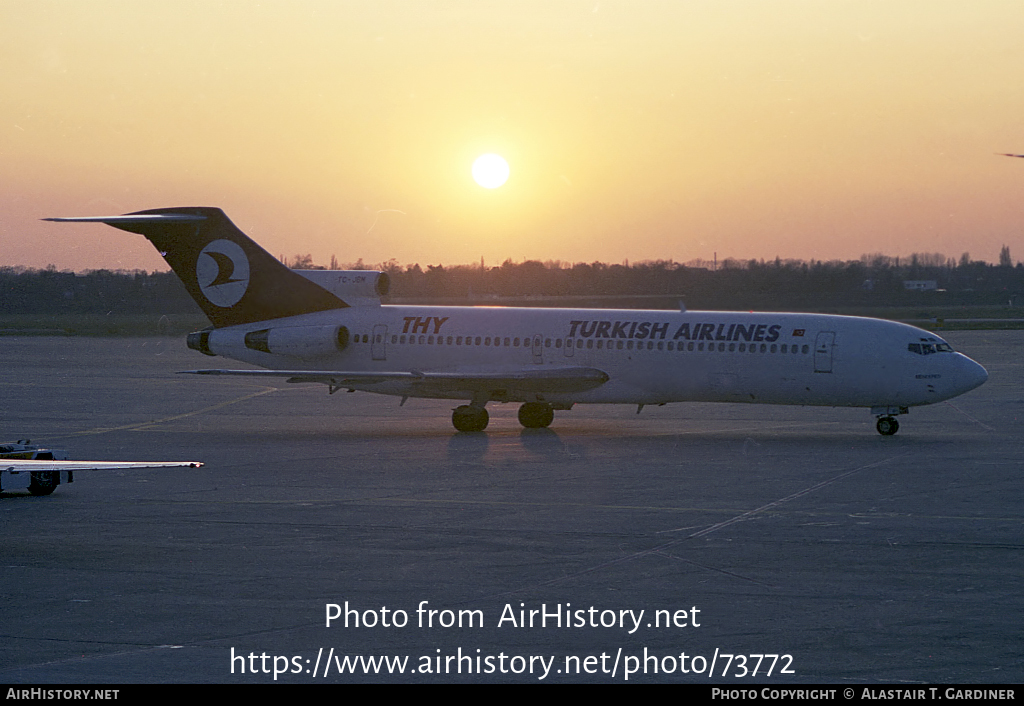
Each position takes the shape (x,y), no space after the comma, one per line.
(536,415)
(468,417)
(532,415)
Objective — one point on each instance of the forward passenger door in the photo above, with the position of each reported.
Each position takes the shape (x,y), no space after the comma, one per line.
(823,346)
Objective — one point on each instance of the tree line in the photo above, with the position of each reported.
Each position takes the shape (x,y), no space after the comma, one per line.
(872,281)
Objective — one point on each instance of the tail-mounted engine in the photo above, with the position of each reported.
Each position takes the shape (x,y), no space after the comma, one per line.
(295,341)
(200,341)
(354,287)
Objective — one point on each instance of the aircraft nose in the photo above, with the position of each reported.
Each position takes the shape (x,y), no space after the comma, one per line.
(970,375)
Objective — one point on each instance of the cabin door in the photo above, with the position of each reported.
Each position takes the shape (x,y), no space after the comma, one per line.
(823,346)
(379,342)
(538,349)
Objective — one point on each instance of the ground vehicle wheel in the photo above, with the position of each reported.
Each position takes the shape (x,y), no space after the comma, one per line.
(469,418)
(44,482)
(887,426)
(536,415)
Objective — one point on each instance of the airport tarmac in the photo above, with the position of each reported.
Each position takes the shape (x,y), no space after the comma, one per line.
(760,530)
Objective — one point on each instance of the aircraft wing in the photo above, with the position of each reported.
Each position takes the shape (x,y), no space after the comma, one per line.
(552,380)
(19,465)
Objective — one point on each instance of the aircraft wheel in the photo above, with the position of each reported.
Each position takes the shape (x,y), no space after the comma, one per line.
(469,418)
(44,482)
(536,415)
(887,426)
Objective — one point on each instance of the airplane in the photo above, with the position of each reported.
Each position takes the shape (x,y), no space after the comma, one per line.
(41,470)
(330,327)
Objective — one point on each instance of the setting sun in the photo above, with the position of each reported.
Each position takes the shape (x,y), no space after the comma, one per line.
(490,171)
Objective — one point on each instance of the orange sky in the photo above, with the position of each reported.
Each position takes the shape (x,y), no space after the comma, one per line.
(634,130)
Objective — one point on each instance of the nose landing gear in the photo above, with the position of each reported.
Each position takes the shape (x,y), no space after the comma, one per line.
(887,426)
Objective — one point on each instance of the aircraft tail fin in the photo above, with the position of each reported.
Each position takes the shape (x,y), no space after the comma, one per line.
(233,279)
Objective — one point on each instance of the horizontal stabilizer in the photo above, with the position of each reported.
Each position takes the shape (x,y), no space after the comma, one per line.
(133,219)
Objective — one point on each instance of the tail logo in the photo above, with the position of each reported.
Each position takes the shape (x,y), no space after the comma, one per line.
(222,271)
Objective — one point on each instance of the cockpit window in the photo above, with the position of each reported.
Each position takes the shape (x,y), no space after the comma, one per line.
(927,346)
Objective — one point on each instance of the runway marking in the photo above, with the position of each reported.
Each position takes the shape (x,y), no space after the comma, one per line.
(387,500)
(704,532)
(714,568)
(382,501)
(794,496)
(976,421)
(138,426)
(142,648)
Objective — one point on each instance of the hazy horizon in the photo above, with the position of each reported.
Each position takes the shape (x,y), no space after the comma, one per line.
(637,131)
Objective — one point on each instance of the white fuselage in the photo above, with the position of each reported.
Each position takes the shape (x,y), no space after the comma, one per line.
(650,357)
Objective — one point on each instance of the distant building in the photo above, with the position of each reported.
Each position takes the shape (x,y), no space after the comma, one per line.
(920,284)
